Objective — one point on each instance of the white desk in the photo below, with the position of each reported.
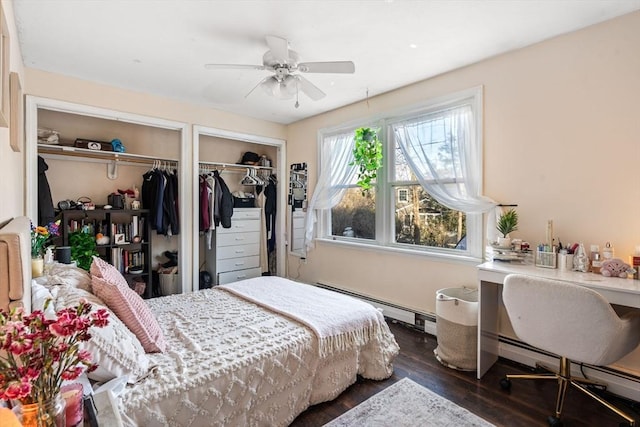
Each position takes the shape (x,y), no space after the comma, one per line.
(491,275)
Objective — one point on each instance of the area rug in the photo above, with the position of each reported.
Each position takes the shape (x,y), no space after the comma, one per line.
(407,404)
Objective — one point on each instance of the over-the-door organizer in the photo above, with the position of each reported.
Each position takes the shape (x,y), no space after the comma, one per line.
(235,251)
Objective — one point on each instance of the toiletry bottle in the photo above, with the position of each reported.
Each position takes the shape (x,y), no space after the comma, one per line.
(596,261)
(580,260)
(48,259)
(607,252)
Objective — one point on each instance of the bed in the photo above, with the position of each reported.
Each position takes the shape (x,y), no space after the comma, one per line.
(252,353)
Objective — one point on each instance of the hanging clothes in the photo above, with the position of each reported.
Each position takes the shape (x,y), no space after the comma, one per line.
(46,212)
(159,195)
(149,194)
(270,206)
(174,203)
(169,214)
(216,201)
(205,195)
(215,195)
(226,202)
(162,182)
(264,257)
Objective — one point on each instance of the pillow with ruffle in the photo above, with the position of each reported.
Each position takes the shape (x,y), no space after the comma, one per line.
(132,310)
(114,348)
(65,274)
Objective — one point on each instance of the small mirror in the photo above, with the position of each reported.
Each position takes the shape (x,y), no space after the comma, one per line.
(298,203)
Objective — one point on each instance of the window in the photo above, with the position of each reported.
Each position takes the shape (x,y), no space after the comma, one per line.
(427,195)
(403,195)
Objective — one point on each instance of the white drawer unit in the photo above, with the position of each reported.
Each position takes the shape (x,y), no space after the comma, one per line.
(297,231)
(234,276)
(235,253)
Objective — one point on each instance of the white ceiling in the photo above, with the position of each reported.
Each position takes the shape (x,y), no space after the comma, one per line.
(160,46)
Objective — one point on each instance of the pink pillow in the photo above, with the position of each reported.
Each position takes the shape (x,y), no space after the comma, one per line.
(130,309)
(102,269)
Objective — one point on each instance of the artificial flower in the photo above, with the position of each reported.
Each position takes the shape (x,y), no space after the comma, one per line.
(37,354)
(41,237)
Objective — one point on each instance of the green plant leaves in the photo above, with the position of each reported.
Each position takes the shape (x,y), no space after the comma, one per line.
(367,154)
(508,222)
(83,248)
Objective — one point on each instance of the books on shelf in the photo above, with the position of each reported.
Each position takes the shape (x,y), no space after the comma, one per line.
(127,260)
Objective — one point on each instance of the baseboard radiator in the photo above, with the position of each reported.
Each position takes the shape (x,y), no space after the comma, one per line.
(423,321)
(618,382)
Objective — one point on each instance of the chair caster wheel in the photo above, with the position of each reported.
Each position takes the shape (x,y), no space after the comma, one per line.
(554,421)
(505,384)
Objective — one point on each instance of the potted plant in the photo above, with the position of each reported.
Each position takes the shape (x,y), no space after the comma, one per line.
(367,155)
(83,248)
(507,223)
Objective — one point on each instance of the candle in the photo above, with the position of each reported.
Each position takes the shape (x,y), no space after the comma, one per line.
(72,395)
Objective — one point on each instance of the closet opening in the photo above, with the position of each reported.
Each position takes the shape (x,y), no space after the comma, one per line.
(250,166)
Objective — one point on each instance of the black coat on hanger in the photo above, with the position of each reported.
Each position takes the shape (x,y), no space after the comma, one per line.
(226,202)
(46,212)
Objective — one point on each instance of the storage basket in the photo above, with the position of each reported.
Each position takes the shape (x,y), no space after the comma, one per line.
(457,328)
(244,202)
(169,283)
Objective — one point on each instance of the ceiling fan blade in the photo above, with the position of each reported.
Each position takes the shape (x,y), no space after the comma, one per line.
(256,86)
(327,67)
(311,90)
(233,67)
(279,48)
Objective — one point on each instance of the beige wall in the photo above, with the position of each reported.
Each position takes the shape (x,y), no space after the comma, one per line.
(11,163)
(561,140)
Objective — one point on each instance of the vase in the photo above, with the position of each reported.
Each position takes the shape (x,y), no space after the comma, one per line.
(37,266)
(49,413)
(504,242)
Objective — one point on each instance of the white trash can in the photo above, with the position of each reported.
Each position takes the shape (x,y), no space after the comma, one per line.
(457,328)
(169,283)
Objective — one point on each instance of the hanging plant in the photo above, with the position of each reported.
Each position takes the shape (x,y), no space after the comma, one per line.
(367,155)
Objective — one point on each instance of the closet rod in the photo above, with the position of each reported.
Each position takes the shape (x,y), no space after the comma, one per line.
(66,151)
(233,166)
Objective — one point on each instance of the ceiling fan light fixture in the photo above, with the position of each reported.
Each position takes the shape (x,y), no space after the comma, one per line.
(274,87)
(290,85)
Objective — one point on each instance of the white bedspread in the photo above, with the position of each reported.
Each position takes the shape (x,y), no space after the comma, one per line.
(231,362)
(339,321)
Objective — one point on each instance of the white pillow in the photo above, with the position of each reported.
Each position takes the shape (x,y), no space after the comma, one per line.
(66,274)
(114,348)
(39,296)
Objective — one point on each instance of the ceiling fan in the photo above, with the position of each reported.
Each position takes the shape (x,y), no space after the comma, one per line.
(285,82)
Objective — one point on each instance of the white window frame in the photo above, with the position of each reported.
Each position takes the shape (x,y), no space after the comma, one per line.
(385,199)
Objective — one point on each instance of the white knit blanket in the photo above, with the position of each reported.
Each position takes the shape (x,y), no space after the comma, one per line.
(339,321)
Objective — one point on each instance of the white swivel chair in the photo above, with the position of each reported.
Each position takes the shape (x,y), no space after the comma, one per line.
(573,322)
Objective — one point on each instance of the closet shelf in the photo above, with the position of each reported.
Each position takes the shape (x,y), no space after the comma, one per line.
(106,156)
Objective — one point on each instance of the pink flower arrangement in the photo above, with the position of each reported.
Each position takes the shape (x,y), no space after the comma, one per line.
(37,354)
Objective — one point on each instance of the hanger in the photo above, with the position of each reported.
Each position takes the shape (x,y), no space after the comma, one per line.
(249,179)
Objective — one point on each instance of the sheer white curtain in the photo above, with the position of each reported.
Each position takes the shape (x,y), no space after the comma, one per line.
(335,176)
(442,150)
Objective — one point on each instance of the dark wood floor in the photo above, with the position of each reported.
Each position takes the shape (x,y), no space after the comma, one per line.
(528,403)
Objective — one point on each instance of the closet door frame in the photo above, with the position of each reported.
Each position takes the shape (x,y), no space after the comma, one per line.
(34,103)
(280,171)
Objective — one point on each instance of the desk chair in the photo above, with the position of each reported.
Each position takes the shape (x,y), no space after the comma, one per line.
(574,322)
